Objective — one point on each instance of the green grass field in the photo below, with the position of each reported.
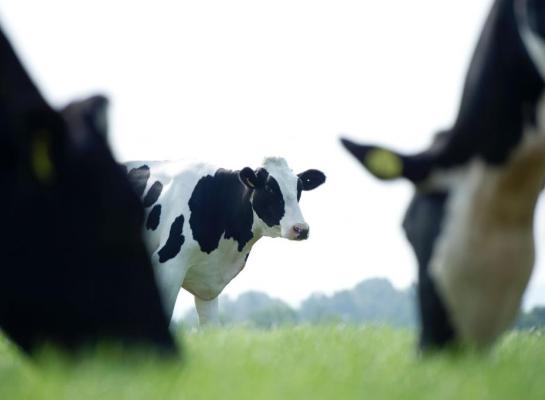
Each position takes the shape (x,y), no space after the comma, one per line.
(327,362)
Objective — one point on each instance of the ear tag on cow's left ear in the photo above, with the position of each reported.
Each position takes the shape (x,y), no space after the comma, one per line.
(40,157)
(383,163)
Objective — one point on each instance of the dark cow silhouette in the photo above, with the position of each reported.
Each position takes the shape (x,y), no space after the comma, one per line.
(470,220)
(73,266)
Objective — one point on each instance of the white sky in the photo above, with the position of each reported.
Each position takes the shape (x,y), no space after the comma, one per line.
(234,81)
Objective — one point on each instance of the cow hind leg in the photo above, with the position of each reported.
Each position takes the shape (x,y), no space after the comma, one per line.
(208,311)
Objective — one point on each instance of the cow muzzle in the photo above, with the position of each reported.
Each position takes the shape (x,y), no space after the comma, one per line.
(299,232)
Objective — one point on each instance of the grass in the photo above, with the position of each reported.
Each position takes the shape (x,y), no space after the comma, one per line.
(328,362)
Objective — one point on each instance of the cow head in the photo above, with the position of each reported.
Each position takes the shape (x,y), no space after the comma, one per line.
(276,191)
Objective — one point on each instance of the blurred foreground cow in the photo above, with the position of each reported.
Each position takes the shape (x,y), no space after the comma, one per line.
(471,220)
(202,221)
(73,267)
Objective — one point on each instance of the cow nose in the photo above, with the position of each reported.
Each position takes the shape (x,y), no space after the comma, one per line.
(300,231)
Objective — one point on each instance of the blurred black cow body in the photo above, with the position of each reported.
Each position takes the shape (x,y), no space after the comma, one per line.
(470,220)
(74,269)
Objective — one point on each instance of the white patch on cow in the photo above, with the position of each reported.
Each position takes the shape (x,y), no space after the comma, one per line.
(484,255)
(534,44)
(208,274)
(287,180)
(444,180)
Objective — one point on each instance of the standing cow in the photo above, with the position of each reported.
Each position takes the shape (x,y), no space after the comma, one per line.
(471,219)
(202,221)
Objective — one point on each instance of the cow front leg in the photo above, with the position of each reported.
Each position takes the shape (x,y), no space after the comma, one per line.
(208,311)
(422,224)
(169,277)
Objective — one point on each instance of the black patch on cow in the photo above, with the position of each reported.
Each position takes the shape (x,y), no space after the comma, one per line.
(268,202)
(153,194)
(154,217)
(311,179)
(139,179)
(299,189)
(422,224)
(220,207)
(501,82)
(174,242)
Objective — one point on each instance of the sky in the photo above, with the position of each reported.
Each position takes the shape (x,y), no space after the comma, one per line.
(231,82)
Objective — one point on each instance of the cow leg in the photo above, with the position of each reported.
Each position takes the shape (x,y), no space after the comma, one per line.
(169,277)
(208,311)
(422,225)
(437,331)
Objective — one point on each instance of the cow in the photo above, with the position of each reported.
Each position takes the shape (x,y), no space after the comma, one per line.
(74,268)
(202,221)
(470,221)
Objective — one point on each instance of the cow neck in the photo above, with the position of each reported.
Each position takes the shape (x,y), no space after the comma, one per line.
(220,209)
(521,180)
(235,201)
(259,227)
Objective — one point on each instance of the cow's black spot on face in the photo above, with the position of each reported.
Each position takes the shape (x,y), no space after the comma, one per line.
(268,202)
(174,242)
(153,194)
(139,179)
(220,207)
(154,217)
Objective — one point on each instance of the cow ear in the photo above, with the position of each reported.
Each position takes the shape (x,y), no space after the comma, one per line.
(250,178)
(382,163)
(311,179)
(87,121)
(388,165)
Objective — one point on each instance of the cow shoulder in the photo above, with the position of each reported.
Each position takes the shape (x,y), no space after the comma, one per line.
(220,207)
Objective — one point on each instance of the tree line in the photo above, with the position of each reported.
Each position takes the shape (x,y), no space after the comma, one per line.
(372,301)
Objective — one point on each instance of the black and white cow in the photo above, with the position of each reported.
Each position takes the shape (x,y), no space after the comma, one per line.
(471,219)
(202,221)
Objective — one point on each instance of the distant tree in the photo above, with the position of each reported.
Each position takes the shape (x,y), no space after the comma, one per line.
(273,316)
(371,301)
(535,318)
(250,308)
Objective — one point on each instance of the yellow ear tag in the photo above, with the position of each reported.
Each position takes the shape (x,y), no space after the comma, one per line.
(41,157)
(383,163)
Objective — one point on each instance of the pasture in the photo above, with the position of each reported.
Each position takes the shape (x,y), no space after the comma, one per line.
(324,362)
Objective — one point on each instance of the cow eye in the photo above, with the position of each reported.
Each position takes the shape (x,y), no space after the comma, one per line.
(268,189)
